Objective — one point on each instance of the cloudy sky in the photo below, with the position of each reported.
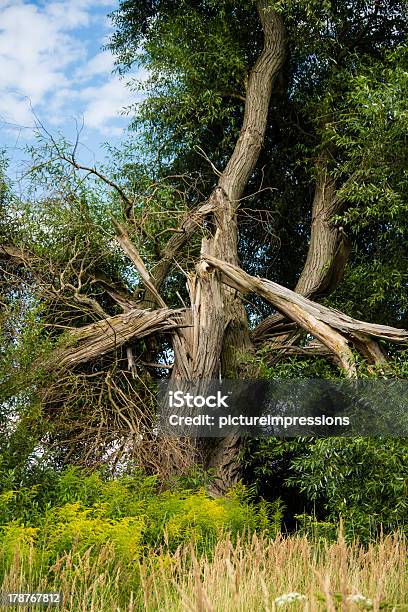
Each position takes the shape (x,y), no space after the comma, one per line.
(51,61)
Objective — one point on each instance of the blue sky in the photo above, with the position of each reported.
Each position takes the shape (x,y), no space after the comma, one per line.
(51,61)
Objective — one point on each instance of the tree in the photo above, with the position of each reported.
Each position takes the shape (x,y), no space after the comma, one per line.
(263,111)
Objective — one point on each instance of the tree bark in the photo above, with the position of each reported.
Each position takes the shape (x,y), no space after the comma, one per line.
(333,328)
(92,341)
(328,251)
(220,331)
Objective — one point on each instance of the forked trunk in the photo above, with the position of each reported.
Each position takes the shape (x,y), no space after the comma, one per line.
(211,335)
(220,332)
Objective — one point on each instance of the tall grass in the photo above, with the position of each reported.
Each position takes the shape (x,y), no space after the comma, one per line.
(254,573)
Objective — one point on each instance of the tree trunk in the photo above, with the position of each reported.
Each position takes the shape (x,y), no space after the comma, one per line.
(210,336)
(220,331)
(327,255)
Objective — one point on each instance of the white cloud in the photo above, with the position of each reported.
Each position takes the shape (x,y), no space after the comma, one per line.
(70,14)
(100,64)
(46,63)
(34,52)
(103,104)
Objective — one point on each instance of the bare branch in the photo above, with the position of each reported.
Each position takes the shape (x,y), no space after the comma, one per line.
(97,339)
(207,159)
(85,300)
(329,326)
(72,161)
(117,291)
(131,251)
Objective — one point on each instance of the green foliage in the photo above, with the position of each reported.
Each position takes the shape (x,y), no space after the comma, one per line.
(196,74)
(291,367)
(78,511)
(195,478)
(72,526)
(370,134)
(16,542)
(360,480)
(316,530)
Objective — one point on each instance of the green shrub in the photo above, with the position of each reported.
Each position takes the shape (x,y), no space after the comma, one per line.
(362,480)
(16,542)
(130,515)
(74,527)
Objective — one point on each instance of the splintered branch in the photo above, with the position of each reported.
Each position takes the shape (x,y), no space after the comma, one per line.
(332,327)
(97,339)
(129,248)
(279,296)
(192,222)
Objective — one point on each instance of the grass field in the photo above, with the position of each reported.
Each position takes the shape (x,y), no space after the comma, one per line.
(252,574)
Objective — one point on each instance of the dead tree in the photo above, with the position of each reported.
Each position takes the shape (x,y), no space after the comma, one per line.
(211,333)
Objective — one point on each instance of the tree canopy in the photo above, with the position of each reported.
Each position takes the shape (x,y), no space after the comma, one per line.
(271,143)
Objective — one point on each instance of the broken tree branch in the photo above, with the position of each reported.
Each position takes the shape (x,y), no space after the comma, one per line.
(332,327)
(129,248)
(92,341)
(279,296)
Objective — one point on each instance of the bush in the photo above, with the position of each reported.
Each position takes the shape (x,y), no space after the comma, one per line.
(364,481)
(85,511)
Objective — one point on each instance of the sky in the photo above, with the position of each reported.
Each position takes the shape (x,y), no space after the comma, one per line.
(52,67)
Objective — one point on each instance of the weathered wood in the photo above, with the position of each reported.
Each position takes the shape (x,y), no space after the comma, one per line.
(222,331)
(279,296)
(246,153)
(328,252)
(332,327)
(133,254)
(192,222)
(93,341)
(219,320)
(329,246)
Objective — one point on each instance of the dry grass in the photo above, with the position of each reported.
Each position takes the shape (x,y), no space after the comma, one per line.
(246,576)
